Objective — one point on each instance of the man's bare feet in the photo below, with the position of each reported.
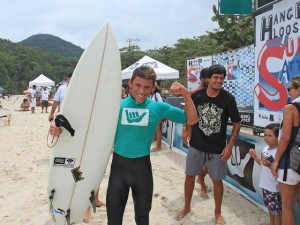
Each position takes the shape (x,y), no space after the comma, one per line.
(87,216)
(100,203)
(182,214)
(156,149)
(220,220)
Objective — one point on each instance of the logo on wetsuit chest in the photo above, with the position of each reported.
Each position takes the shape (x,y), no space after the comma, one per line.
(135,117)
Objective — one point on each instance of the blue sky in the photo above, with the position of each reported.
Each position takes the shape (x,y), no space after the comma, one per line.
(154,23)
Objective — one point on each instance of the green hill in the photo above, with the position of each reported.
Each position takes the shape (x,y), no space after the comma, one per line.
(51,43)
(20,64)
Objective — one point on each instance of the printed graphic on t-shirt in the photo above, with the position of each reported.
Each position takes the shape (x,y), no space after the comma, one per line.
(209,118)
(135,117)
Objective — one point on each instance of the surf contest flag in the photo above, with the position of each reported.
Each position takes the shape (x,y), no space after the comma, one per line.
(277,58)
(194,67)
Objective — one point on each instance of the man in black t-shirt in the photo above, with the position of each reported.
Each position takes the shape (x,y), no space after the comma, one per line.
(208,141)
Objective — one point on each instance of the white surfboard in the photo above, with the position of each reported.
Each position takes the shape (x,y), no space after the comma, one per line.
(91,106)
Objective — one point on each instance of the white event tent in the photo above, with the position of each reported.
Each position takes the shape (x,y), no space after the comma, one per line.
(42,80)
(163,72)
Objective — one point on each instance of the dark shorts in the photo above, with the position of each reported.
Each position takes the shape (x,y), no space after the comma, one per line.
(273,201)
(44,103)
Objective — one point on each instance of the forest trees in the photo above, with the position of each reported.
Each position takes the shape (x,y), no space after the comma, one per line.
(233,32)
(19,64)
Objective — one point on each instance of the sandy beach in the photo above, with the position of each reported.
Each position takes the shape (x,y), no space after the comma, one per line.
(24,177)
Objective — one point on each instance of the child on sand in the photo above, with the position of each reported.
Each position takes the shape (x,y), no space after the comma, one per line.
(268,181)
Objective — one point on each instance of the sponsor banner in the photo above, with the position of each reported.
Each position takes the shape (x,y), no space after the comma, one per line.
(277,57)
(194,67)
(247,118)
(177,141)
(239,81)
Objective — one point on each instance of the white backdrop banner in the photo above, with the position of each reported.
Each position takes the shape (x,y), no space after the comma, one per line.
(277,57)
(194,67)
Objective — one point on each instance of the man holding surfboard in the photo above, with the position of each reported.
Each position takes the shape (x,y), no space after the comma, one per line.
(131,166)
(59,96)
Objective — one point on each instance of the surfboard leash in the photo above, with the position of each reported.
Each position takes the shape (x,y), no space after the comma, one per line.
(60,121)
(51,141)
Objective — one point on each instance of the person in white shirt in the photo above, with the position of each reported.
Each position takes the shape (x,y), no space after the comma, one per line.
(59,96)
(44,97)
(32,98)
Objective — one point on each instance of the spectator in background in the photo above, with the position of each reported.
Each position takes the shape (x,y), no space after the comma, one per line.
(32,98)
(187,133)
(124,93)
(45,97)
(59,96)
(156,96)
(25,105)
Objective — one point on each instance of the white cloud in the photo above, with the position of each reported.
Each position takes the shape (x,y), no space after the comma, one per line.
(155,23)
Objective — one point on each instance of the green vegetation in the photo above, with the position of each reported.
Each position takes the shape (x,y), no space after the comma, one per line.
(20,64)
(234,32)
(54,57)
(51,43)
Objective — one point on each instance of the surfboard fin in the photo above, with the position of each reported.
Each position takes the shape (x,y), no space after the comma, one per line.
(51,199)
(93,201)
(61,121)
(68,218)
(51,204)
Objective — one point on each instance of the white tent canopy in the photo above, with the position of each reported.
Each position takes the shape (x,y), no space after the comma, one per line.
(41,80)
(163,72)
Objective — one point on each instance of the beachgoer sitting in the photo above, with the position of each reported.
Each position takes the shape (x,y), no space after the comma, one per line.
(25,105)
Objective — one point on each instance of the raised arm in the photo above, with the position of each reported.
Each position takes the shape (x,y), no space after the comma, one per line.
(189,107)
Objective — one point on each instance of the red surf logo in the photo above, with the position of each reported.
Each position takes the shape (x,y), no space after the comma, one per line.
(276,99)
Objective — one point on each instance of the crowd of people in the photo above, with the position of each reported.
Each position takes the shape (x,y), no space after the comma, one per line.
(40,96)
(207,110)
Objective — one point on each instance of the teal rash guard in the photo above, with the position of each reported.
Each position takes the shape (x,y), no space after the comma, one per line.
(137,124)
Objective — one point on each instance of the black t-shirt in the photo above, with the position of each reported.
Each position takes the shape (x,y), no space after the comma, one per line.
(209,135)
